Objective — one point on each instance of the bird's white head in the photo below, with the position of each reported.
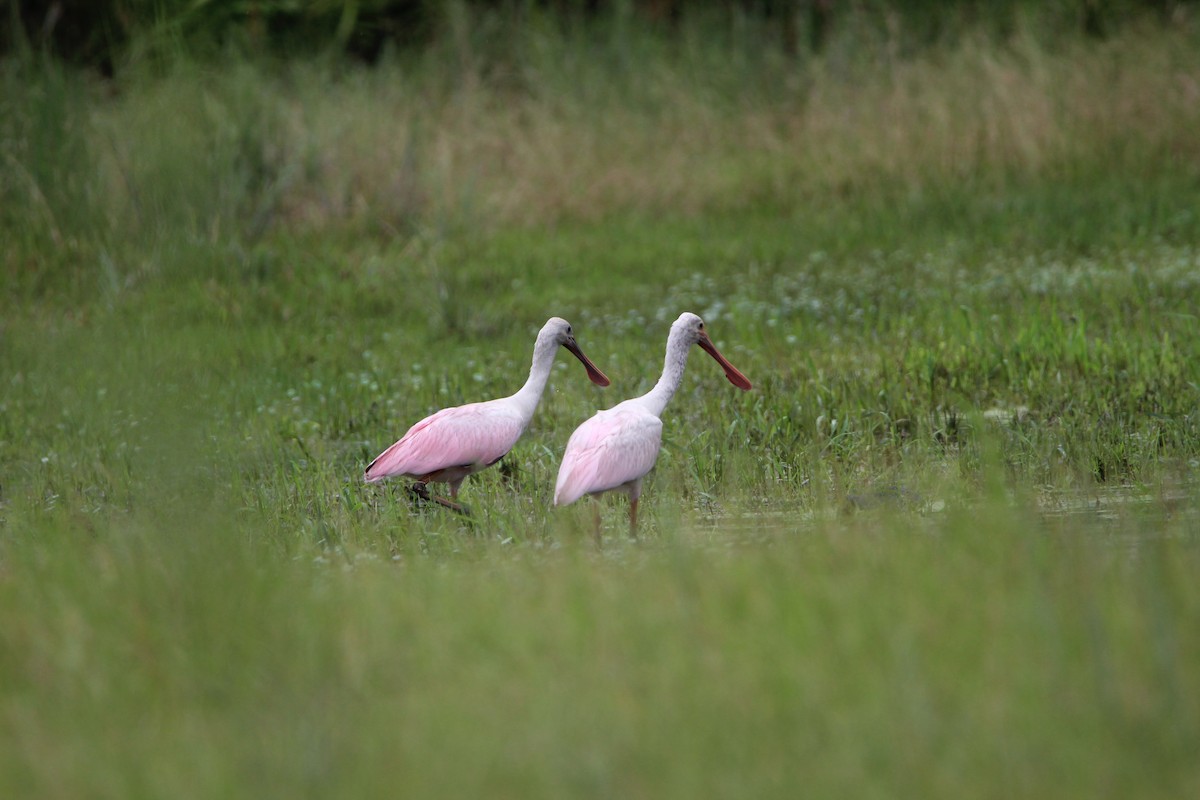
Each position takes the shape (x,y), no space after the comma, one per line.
(557,329)
(559,332)
(691,328)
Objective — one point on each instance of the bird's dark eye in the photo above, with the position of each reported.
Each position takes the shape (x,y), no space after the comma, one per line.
(701,326)
(568,330)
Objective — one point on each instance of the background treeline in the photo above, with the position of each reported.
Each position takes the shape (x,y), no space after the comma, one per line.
(105,34)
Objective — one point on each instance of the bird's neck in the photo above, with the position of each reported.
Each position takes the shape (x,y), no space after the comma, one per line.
(528,396)
(657,398)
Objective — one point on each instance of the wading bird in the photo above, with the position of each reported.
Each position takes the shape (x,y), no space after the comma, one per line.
(453,443)
(616,448)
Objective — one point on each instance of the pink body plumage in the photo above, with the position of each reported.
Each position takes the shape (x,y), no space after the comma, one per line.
(453,443)
(615,449)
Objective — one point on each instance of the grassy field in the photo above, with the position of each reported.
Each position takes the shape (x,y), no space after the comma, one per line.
(946,547)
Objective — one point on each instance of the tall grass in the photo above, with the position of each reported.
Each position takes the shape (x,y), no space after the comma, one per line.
(578,130)
(580,127)
(944,656)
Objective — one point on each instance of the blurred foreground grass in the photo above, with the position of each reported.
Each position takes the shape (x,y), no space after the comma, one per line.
(978,652)
(946,547)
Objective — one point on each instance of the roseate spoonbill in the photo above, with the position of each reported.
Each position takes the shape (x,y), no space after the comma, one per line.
(616,448)
(453,443)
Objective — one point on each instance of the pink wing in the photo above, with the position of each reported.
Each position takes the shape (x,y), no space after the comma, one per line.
(475,434)
(608,450)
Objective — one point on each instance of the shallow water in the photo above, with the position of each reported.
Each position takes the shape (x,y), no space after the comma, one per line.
(1118,515)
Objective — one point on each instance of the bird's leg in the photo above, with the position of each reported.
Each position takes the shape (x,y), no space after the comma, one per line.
(420,490)
(453,503)
(458,508)
(633,503)
(596,520)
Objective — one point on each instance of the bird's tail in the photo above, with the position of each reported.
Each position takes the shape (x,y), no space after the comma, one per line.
(384,465)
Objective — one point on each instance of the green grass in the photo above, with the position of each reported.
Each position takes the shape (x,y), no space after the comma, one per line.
(946,546)
(875,657)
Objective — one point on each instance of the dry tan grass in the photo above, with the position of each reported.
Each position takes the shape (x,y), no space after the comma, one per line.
(387,148)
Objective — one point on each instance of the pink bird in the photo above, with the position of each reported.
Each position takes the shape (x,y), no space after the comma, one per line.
(456,442)
(616,448)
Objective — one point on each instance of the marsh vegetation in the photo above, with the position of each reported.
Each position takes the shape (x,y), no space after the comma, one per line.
(947,546)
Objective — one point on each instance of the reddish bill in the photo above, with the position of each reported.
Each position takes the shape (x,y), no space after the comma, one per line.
(731,372)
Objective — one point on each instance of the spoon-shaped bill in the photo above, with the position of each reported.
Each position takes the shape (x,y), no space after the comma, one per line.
(731,372)
(594,374)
